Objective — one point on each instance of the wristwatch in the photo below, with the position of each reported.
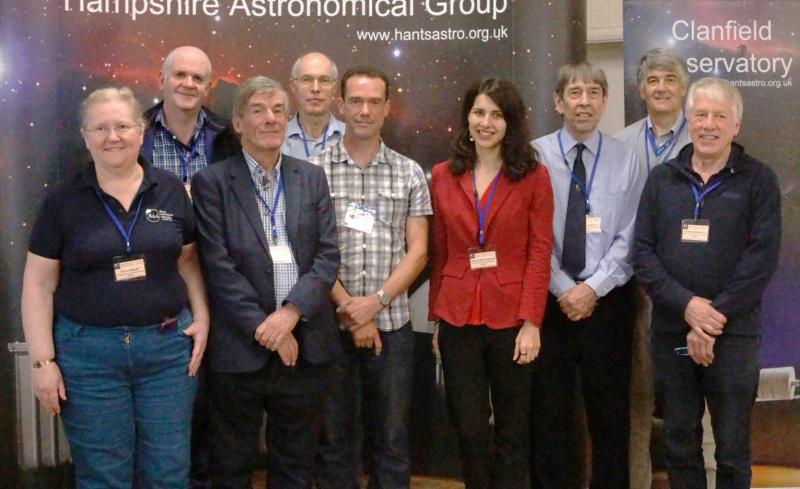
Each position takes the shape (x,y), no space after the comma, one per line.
(384,298)
(42,363)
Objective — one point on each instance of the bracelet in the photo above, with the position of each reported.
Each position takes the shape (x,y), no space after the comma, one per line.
(42,363)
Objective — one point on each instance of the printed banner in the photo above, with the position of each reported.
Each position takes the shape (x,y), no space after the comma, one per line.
(754,45)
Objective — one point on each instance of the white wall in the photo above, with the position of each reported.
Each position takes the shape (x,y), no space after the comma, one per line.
(604,49)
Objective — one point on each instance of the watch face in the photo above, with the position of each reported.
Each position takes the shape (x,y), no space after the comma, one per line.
(384,298)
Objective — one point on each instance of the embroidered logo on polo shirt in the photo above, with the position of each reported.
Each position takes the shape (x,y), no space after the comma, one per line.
(156,215)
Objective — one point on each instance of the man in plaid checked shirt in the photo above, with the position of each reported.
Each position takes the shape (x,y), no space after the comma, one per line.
(182,136)
(381,199)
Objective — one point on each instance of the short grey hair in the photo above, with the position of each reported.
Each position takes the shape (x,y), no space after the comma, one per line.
(296,66)
(112,94)
(661,59)
(252,86)
(718,90)
(580,71)
(167,66)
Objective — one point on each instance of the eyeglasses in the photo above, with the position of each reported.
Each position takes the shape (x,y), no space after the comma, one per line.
(324,80)
(121,129)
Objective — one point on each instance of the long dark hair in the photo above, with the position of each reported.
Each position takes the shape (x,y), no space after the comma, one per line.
(518,155)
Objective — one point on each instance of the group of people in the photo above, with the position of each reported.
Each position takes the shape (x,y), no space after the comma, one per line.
(287,245)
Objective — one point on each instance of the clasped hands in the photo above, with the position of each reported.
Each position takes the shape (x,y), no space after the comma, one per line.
(707,323)
(578,302)
(358,314)
(275,333)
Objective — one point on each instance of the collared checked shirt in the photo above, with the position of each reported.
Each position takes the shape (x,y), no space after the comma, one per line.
(395,187)
(264,193)
(613,197)
(300,145)
(637,136)
(172,155)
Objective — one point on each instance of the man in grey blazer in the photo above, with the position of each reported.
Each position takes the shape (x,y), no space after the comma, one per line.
(269,250)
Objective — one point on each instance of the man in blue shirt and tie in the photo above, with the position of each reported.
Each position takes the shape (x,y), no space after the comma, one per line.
(588,325)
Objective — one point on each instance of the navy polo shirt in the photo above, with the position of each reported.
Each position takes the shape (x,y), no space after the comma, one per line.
(74,227)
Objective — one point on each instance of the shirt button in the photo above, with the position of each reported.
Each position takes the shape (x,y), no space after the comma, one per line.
(363,273)
(364,246)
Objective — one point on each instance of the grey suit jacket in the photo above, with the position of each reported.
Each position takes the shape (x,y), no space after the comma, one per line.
(238,270)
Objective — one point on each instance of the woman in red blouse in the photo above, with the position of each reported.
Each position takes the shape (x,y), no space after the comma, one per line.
(493,212)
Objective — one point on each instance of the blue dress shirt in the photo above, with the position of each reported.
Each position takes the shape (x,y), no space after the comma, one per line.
(614,197)
(636,136)
(293,143)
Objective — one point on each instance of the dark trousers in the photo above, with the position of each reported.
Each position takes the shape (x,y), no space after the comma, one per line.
(729,386)
(596,350)
(481,378)
(387,382)
(198,475)
(292,398)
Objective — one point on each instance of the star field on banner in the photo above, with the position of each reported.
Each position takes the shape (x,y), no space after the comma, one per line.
(53,53)
(754,45)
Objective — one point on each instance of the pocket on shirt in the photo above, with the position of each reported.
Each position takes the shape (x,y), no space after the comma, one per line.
(392,207)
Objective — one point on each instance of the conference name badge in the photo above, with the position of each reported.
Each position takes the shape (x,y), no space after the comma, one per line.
(360,217)
(129,268)
(695,230)
(485,257)
(593,225)
(281,255)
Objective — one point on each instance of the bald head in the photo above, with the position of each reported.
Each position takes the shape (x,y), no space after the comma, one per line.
(185,79)
(314,84)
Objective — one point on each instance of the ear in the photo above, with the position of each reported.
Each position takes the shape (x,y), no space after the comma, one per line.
(237,124)
(340,104)
(559,102)
(161,81)
(386,107)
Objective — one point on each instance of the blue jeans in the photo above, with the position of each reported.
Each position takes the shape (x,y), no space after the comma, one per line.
(388,381)
(729,387)
(129,403)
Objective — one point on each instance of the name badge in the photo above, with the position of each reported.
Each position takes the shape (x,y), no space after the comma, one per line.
(695,230)
(593,225)
(360,217)
(281,254)
(188,187)
(128,268)
(482,258)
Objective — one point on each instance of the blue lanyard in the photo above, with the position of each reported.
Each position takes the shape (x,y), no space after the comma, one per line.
(483,210)
(649,134)
(272,211)
(699,196)
(303,136)
(126,235)
(186,161)
(585,190)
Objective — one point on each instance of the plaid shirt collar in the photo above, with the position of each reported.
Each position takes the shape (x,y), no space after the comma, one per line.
(339,155)
(161,121)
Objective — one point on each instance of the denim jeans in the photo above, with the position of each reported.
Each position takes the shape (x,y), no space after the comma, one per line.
(729,386)
(388,380)
(128,411)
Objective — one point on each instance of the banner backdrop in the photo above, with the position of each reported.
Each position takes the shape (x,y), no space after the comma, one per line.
(53,53)
(753,44)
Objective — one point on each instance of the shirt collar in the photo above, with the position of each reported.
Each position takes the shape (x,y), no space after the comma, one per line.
(673,130)
(201,121)
(335,126)
(339,155)
(256,170)
(592,142)
(88,177)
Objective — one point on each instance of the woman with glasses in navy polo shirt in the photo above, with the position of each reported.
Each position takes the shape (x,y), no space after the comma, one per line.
(111,275)
(492,227)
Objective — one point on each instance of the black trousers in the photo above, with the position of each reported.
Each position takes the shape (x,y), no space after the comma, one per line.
(596,350)
(481,378)
(293,399)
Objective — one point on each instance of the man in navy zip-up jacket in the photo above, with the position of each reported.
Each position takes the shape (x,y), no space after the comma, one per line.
(707,239)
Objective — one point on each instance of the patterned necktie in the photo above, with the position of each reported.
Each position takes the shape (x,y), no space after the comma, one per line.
(573,258)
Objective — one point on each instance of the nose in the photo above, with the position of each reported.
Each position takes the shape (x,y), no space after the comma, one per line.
(187,81)
(315,85)
(364,107)
(584,100)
